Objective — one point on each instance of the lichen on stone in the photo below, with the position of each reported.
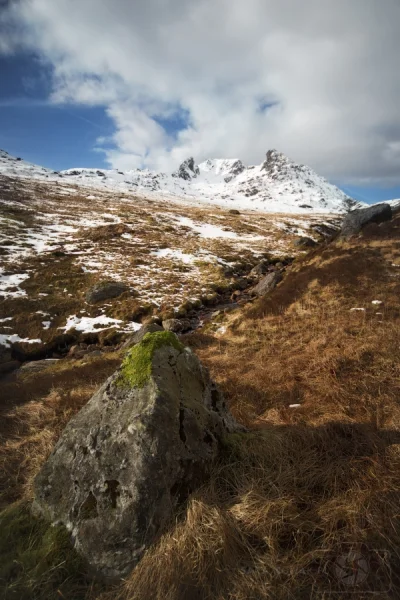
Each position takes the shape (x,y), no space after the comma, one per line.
(136,367)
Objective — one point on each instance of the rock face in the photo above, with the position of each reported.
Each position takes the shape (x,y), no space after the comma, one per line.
(357,219)
(188,169)
(268,283)
(142,443)
(105,290)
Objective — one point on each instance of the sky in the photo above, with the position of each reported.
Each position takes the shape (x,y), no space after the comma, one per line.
(149,83)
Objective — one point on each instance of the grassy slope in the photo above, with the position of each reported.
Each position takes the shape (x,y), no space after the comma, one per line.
(308,484)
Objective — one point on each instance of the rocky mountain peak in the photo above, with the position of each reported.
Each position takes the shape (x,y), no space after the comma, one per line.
(188,169)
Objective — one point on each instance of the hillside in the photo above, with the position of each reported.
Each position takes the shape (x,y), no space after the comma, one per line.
(277,185)
(57,241)
(311,369)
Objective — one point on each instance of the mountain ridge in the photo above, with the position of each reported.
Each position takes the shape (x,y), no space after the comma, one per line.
(276,185)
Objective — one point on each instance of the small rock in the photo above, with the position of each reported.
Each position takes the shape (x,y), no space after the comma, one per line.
(234,211)
(105,290)
(38,365)
(268,283)
(177,325)
(241,283)
(260,269)
(305,242)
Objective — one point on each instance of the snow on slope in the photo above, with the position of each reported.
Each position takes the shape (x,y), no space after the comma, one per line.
(276,185)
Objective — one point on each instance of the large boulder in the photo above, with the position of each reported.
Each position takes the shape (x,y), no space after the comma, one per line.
(143,442)
(355,220)
(105,290)
(267,284)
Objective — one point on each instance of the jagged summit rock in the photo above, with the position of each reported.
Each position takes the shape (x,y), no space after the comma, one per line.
(143,442)
(276,185)
(188,169)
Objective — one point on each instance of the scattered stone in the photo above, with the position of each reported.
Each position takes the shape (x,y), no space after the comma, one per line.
(105,290)
(305,242)
(134,452)
(355,220)
(241,283)
(267,284)
(37,365)
(177,325)
(260,269)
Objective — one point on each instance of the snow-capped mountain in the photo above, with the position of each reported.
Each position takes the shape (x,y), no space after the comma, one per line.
(276,185)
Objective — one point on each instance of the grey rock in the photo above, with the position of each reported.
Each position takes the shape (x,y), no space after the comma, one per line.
(105,290)
(133,453)
(267,284)
(305,242)
(177,325)
(37,365)
(137,337)
(188,169)
(260,269)
(355,220)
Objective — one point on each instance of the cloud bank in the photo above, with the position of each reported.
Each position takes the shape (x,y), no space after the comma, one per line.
(316,79)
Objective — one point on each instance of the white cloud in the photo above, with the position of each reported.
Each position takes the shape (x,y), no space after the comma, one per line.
(330,67)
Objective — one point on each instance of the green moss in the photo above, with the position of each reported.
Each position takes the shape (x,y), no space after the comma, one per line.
(136,367)
(36,559)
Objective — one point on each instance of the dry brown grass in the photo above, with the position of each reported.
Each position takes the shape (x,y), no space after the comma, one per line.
(308,484)
(311,483)
(34,410)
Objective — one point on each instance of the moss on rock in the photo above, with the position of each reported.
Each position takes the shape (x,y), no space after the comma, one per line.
(136,367)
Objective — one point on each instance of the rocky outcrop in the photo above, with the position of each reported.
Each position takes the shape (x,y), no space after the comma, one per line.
(359,218)
(105,290)
(143,442)
(236,168)
(267,284)
(188,169)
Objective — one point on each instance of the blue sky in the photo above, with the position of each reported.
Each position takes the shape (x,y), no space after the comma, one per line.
(51,135)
